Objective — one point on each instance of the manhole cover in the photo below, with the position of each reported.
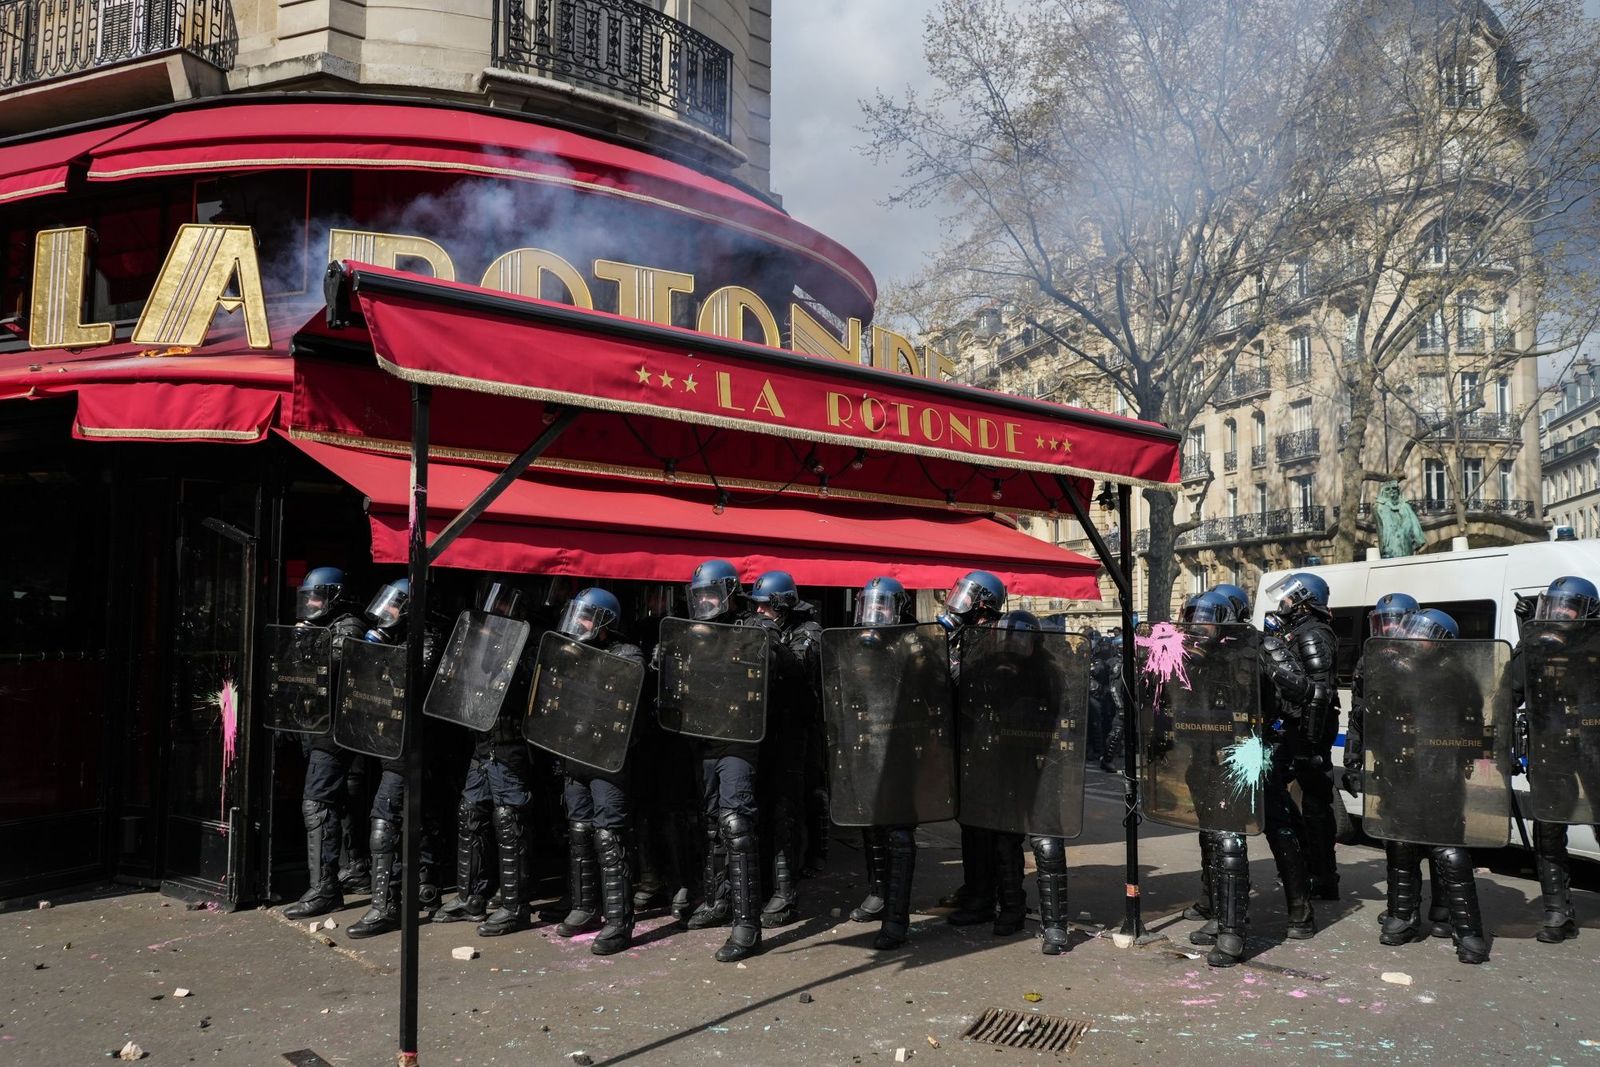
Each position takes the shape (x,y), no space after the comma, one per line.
(1025,1029)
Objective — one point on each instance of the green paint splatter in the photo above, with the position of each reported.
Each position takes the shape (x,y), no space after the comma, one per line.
(1246,764)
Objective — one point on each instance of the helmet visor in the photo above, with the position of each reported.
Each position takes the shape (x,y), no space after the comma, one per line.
(711,599)
(963,596)
(877,607)
(1204,611)
(316,602)
(500,598)
(1419,627)
(583,621)
(1289,587)
(1386,623)
(1563,605)
(387,607)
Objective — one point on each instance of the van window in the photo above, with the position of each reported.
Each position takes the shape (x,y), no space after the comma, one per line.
(1350,627)
(1475,617)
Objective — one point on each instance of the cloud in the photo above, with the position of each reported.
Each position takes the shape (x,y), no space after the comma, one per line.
(827,55)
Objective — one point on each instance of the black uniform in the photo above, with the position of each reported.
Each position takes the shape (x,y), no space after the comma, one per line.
(795,704)
(1312,639)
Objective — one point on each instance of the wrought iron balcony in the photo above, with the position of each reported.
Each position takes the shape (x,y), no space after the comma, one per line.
(1571,446)
(1302,444)
(1230,462)
(43,39)
(1196,467)
(1258,456)
(1433,507)
(1469,426)
(1256,526)
(1242,384)
(1299,373)
(623,48)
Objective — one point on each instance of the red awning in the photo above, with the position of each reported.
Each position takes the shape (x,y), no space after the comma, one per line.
(663,402)
(34,168)
(351,135)
(605,529)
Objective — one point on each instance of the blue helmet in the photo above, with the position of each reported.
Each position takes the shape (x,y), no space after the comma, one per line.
(1389,613)
(1298,590)
(588,617)
(1019,632)
(321,593)
(388,605)
(975,597)
(1429,624)
(777,589)
(712,590)
(1568,597)
(1241,599)
(1213,606)
(881,602)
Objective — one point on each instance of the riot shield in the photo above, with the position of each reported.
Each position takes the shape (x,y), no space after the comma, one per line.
(372,698)
(1437,737)
(1205,757)
(583,702)
(1561,668)
(890,729)
(713,680)
(477,668)
(1022,714)
(300,679)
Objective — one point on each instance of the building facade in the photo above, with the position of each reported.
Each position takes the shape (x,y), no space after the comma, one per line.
(1569,451)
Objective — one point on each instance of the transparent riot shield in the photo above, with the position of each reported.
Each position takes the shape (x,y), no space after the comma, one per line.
(372,699)
(1205,758)
(477,669)
(890,729)
(299,679)
(583,703)
(1561,671)
(1437,737)
(1022,714)
(713,680)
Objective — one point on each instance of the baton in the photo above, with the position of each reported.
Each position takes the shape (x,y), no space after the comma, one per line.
(1516,814)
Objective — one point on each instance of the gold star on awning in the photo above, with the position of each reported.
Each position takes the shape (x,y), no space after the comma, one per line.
(644,375)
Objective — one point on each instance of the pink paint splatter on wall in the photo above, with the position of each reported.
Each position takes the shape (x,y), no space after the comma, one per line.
(227,701)
(1164,655)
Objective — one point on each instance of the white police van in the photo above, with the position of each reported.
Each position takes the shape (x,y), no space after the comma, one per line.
(1476,587)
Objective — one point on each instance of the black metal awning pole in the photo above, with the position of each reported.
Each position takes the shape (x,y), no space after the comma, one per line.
(1119,566)
(411,728)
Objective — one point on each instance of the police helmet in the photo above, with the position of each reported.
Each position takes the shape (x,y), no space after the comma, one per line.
(712,589)
(589,616)
(320,595)
(388,605)
(1241,599)
(1389,613)
(1429,624)
(1213,606)
(881,602)
(1297,590)
(775,589)
(975,596)
(1568,597)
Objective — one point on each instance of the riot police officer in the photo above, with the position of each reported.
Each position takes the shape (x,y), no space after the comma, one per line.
(797,717)
(1285,686)
(387,619)
(1568,598)
(322,601)
(495,794)
(991,862)
(1302,610)
(600,831)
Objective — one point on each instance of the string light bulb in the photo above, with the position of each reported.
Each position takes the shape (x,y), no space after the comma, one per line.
(950,499)
(721,505)
(996,493)
(671,471)
(822,487)
(860,460)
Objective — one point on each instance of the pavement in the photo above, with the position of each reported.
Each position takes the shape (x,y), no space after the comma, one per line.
(92,972)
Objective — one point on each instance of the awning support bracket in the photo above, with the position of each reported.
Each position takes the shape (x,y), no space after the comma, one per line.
(472,512)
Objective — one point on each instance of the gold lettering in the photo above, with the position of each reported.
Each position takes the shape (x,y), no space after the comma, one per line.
(872,422)
(812,337)
(767,400)
(208,267)
(724,311)
(938,366)
(903,417)
(841,412)
(725,391)
(387,249)
(890,350)
(928,417)
(60,273)
(1012,430)
(523,271)
(988,433)
(960,427)
(644,292)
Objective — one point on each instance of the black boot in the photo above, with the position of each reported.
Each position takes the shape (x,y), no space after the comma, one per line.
(383,914)
(583,880)
(1201,909)
(1555,883)
(471,881)
(1050,860)
(821,827)
(1230,883)
(1438,906)
(779,910)
(901,854)
(715,909)
(875,850)
(1402,925)
(322,861)
(512,914)
(681,837)
(1290,857)
(1461,895)
(1012,897)
(977,866)
(744,887)
(617,881)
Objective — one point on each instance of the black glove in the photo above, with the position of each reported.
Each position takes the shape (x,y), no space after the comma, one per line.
(1351,780)
(1524,609)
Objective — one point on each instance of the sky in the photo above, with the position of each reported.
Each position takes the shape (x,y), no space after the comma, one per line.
(827,55)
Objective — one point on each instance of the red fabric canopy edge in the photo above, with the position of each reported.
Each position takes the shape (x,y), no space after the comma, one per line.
(34,168)
(606,529)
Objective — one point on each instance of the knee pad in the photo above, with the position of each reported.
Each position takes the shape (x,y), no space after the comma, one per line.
(1454,864)
(385,835)
(507,822)
(610,845)
(316,814)
(469,817)
(1550,840)
(579,830)
(1232,854)
(738,832)
(1050,854)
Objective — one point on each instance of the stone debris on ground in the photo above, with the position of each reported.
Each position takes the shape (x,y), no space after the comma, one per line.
(901,1055)
(806,998)
(1397,977)
(130,1051)
(933,1042)
(330,924)
(465,952)
(180,992)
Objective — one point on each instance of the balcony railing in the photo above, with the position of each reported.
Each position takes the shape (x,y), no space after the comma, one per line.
(1429,507)
(1470,426)
(1299,373)
(1230,462)
(1242,384)
(42,39)
(1196,467)
(1302,444)
(1258,456)
(620,47)
(1310,521)
(1576,443)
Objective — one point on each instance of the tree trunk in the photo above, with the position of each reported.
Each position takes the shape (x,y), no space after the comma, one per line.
(1353,472)
(1162,563)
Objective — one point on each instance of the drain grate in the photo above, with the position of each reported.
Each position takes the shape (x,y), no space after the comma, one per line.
(1027,1030)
